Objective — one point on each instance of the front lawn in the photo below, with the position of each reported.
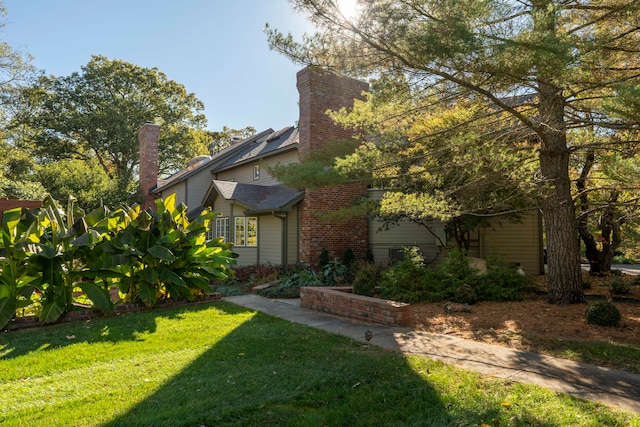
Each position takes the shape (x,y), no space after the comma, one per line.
(219,364)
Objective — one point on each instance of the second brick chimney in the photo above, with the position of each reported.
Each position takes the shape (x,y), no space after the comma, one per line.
(320,91)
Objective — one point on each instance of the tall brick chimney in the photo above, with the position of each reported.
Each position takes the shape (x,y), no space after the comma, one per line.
(148,137)
(320,91)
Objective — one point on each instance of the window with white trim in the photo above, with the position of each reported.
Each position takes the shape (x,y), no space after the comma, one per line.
(256,172)
(246,231)
(220,228)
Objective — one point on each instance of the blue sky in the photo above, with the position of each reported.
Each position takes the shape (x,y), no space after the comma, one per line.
(215,48)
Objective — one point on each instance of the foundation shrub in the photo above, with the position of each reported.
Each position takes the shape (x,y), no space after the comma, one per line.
(291,282)
(502,284)
(366,279)
(454,280)
(411,281)
(465,294)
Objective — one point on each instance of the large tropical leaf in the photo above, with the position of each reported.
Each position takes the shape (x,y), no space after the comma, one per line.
(148,293)
(8,307)
(162,253)
(98,296)
(170,276)
(53,309)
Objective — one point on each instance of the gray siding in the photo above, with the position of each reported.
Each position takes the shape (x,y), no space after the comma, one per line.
(515,242)
(244,173)
(292,236)
(197,187)
(508,241)
(270,239)
(179,189)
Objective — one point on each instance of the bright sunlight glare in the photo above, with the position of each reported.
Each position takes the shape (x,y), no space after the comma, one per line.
(348,8)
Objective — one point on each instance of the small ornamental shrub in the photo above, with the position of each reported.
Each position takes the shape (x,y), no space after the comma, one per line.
(602,313)
(465,294)
(323,259)
(333,273)
(502,284)
(619,287)
(366,280)
(290,285)
(348,257)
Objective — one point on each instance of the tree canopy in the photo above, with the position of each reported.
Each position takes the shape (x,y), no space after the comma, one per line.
(95,115)
(551,67)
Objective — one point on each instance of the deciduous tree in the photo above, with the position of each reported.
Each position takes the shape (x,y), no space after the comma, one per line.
(96,113)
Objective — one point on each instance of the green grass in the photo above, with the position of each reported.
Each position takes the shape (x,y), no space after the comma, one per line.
(608,354)
(217,365)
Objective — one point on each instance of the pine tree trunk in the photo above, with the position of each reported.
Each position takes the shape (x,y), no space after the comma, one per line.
(563,257)
(563,251)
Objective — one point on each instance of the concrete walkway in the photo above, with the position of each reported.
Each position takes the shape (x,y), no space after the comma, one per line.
(611,387)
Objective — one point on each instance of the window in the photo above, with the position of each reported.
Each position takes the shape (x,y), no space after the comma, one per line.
(256,172)
(220,228)
(246,229)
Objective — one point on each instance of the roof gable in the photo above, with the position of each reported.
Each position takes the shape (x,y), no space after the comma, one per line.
(255,198)
(210,162)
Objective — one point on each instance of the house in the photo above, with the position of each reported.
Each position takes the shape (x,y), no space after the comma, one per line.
(270,223)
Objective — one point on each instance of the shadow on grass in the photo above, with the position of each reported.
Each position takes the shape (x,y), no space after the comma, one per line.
(270,372)
(113,329)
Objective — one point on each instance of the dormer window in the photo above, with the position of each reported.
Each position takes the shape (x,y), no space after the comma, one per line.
(256,172)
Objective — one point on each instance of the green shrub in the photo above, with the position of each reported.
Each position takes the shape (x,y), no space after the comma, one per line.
(619,287)
(453,280)
(603,313)
(366,279)
(502,284)
(289,287)
(410,281)
(323,259)
(465,294)
(334,273)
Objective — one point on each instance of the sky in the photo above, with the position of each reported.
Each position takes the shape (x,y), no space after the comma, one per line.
(217,49)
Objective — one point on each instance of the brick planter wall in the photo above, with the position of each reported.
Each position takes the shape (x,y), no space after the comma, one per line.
(342,302)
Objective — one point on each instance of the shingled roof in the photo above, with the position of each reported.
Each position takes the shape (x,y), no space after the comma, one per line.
(256,199)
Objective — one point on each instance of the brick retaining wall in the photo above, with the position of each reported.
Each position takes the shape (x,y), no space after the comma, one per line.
(342,302)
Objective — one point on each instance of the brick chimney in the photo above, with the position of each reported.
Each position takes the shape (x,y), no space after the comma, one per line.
(320,91)
(148,136)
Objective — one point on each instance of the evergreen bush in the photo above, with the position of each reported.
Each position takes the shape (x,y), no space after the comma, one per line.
(366,280)
(619,287)
(603,313)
